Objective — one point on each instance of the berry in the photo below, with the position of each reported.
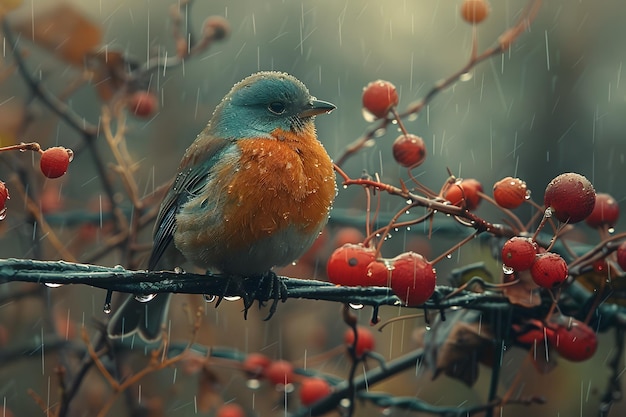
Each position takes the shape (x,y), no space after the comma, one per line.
(549,270)
(464,193)
(313,389)
(255,364)
(409,150)
(379,273)
(230,410)
(413,278)
(216,28)
(510,192)
(605,212)
(143,104)
(379,97)
(574,340)
(347,265)
(54,161)
(474,11)
(570,197)
(279,372)
(519,253)
(4,196)
(621,255)
(532,332)
(347,235)
(364,342)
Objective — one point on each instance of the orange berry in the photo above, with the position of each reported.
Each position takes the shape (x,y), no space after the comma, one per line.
(279,372)
(313,389)
(365,341)
(379,97)
(510,192)
(413,278)
(549,270)
(519,253)
(464,193)
(409,150)
(474,11)
(230,410)
(54,161)
(143,104)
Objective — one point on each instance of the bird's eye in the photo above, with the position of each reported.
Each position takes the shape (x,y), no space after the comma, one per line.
(276,107)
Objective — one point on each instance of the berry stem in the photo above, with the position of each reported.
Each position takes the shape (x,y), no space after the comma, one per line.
(31,146)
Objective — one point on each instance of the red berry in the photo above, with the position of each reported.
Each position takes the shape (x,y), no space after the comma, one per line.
(379,273)
(570,197)
(413,278)
(347,265)
(464,193)
(519,253)
(409,150)
(347,235)
(4,196)
(279,372)
(574,340)
(364,342)
(474,11)
(255,364)
(313,389)
(621,255)
(54,161)
(533,332)
(510,192)
(605,212)
(549,270)
(230,410)
(379,97)
(143,104)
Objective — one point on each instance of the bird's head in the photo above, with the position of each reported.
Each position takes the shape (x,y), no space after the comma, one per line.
(264,102)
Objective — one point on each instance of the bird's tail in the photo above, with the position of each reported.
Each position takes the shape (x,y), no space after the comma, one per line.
(144,319)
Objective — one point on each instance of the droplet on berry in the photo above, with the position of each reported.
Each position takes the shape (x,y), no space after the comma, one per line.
(143,104)
(549,270)
(519,253)
(409,150)
(474,11)
(55,161)
(379,97)
(464,193)
(604,213)
(571,197)
(510,192)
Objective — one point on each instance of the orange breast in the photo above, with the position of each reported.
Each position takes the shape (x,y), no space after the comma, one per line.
(283,181)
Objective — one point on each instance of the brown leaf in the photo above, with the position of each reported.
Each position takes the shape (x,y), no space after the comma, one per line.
(64,31)
(525,292)
(457,345)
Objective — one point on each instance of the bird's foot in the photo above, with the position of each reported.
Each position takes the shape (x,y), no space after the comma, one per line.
(265,286)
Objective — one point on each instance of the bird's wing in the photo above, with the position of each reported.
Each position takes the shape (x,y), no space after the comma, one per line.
(192,174)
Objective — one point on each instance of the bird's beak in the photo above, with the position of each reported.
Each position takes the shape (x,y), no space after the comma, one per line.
(315,107)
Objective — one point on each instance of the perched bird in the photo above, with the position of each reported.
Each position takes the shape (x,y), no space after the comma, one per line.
(253,191)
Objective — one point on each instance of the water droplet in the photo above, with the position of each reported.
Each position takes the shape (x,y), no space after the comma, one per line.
(409,201)
(527,195)
(70,154)
(386,411)
(412,117)
(285,388)
(611,230)
(394,122)
(232,298)
(454,308)
(208,298)
(380,132)
(427,327)
(144,298)
(507,269)
(408,228)
(369,143)
(548,212)
(369,117)
(345,187)
(345,402)
(253,383)
(466,76)
(449,256)
(355,306)
(179,270)
(107,308)
(52,285)
(3,214)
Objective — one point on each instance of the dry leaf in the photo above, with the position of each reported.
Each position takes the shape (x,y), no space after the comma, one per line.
(525,292)
(64,31)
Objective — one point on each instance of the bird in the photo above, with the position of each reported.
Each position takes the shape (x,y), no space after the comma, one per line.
(253,191)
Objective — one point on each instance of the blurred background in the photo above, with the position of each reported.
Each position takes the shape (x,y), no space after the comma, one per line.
(554,103)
